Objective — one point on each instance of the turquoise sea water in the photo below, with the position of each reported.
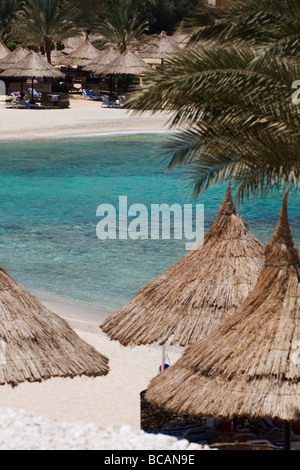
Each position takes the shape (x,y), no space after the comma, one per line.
(50,191)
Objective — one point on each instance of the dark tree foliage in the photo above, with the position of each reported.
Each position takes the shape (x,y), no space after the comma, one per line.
(161,14)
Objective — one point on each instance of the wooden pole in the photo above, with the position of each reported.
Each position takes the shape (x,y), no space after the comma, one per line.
(286,435)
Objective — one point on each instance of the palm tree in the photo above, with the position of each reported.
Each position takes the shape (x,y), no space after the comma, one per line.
(46,22)
(8,11)
(242,122)
(91,15)
(122,30)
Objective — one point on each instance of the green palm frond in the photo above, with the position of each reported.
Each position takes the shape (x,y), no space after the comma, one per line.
(46,22)
(122,29)
(272,24)
(199,81)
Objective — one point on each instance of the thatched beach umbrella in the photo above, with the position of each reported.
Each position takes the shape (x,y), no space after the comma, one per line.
(126,64)
(14,57)
(4,51)
(102,61)
(250,366)
(36,344)
(73,43)
(162,49)
(83,55)
(32,66)
(57,57)
(196,294)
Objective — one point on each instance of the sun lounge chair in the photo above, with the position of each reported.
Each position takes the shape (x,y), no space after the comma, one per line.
(191,432)
(35,93)
(106,102)
(92,96)
(18,102)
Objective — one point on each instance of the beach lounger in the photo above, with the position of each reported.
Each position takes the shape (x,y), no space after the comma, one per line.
(106,102)
(192,432)
(35,93)
(92,96)
(17,102)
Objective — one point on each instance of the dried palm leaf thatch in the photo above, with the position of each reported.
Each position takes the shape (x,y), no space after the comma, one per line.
(163,48)
(4,51)
(193,296)
(102,61)
(14,57)
(73,43)
(83,55)
(250,366)
(36,344)
(31,66)
(126,64)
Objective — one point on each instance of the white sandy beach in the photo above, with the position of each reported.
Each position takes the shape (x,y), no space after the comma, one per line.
(113,400)
(84,117)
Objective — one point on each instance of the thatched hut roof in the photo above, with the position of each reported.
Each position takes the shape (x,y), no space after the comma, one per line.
(4,51)
(250,366)
(102,61)
(163,48)
(36,344)
(57,57)
(126,64)
(83,55)
(193,296)
(14,57)
(32,66)
(73,43)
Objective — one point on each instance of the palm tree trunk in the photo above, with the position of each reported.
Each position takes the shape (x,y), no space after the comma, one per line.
(48,53)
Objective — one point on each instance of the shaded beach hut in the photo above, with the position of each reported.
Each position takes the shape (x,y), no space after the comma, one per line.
(197,293)
(36,344)
(4,51)
(162,49)
(83,55)
(250,365)
(32,66)
(126,64)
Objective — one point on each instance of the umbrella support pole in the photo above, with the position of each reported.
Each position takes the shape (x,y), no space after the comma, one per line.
(286,435)
(163,359)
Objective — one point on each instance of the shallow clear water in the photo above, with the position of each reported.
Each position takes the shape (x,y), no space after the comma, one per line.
(49,193)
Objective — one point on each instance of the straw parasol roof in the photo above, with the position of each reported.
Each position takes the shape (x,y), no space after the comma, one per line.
(250,366)
(163,48)
(127,64)
(102,61)
(192,297)
(4,51)
(74,42)
(14,57)
(32,66)
(83,55)
(57,57)
(36,344)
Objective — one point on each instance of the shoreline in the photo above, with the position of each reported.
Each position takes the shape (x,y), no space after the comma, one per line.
(113,400)
(83,119)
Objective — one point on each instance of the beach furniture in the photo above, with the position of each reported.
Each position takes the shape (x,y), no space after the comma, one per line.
(250,365)
(34,92)
(106,102)
(36,344)
(194,295)
(92,96)
(18,102)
